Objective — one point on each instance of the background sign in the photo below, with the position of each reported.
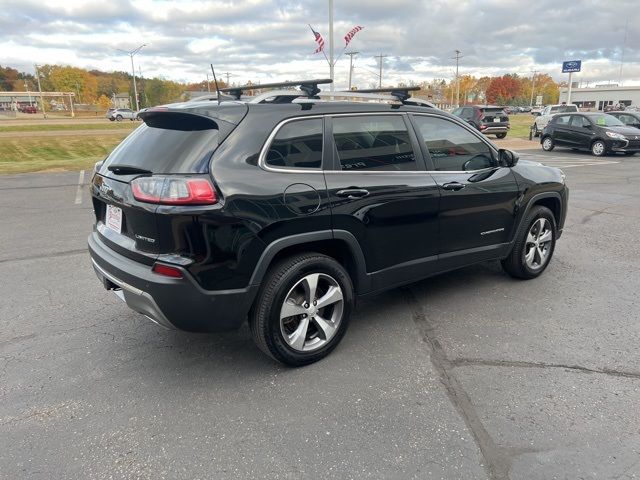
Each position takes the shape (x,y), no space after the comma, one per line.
(571,66)
(539,100)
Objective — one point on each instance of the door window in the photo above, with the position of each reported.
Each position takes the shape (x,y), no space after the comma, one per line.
(580,122)
(378,143)
(452,147)
(562,120)
(297,144)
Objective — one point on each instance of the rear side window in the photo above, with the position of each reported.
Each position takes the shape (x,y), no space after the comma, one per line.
(373,143)
(164,150)
(562,120)
(580,122)
(297,144)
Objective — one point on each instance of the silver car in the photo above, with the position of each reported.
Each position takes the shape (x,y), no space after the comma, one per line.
(119,114)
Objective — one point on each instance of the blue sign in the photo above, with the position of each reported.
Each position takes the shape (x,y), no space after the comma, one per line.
(571,66)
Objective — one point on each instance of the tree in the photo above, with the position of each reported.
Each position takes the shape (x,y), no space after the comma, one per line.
(72,79)
(502,90)
(104,102)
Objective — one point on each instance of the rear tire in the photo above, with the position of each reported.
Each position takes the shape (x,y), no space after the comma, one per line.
(548,144)
(599,148)
(119,118)
(311,331)
(534,246)
(501,135)
(536,132)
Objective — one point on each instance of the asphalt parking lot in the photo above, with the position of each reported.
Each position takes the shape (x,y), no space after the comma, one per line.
(468,375)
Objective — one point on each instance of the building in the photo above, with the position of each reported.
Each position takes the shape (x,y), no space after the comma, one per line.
(14,100)
(121,100)
(599,97)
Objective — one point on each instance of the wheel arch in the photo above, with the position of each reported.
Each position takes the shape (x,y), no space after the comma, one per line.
(340,245)
(551,200)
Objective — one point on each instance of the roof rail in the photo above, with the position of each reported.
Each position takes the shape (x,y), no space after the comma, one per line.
(401,93)
(309,87)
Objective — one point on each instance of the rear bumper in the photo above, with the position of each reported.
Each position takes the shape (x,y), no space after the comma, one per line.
(171,302)
(494,130)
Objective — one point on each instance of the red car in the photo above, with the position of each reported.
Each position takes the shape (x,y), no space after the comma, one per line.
(28,109)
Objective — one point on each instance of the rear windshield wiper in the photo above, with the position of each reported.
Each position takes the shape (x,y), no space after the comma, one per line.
(127,170)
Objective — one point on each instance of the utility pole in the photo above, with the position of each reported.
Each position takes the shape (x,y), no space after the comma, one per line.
(331,64)
(28,92)
(44,114)
(457,57)
(624,46)
(227,74)
(381,57)
(533,84)
(208,85)
(351,54)
(133,71)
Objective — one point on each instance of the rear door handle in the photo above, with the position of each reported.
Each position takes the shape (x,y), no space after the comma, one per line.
(455,186)
(352,193)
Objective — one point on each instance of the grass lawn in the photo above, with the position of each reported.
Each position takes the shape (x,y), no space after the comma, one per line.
(128,125)
(520,125)
(33,153)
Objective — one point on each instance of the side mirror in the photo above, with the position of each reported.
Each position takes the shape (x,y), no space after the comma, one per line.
(507,157)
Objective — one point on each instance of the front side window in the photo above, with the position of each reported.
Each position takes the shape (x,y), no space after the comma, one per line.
(378,143)
(452,147)
(562,120)
(298,144)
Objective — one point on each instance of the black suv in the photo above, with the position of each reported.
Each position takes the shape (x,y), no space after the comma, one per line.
(487,119)
(599,132)
(286,207)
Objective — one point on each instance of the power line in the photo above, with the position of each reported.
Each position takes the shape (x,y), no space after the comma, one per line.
(381,57)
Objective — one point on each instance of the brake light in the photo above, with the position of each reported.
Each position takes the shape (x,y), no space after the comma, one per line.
(482,127)
(166,270)
(174,190)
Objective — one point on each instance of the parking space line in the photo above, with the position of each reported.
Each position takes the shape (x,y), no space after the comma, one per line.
(78,200)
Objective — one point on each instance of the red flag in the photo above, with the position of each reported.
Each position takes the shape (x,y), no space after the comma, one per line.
(319,41)
(349,36)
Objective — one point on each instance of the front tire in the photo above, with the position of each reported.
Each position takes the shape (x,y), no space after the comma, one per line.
(119,118)
(548,144)
(598,148)
(501,135)
(534,245)
(303,309)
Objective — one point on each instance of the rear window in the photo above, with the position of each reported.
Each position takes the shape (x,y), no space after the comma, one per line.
(163,150)
(564,109)
(493,111)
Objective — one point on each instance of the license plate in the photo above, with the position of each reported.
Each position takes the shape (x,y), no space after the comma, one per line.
(113,218)
(496,120)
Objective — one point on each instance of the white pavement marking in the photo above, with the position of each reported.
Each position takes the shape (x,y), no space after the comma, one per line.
(79,191)
(564,162)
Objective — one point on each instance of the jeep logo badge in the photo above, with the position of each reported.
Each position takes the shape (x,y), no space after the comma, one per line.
(104,189)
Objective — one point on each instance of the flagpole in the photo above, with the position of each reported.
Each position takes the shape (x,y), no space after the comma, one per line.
(331,62)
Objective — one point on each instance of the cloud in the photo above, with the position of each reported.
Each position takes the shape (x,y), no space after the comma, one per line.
(267,40)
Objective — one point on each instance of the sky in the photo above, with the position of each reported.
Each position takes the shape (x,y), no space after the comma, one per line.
(270,40)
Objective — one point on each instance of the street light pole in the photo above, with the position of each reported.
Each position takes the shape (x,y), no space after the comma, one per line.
(133,71)
(351,54)
(533,84)
(331,65)
(44,114)
(457,57)
(381,57)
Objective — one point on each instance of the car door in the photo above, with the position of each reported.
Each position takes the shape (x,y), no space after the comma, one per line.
(381,193)
(562,134)
(478,195)
(581,131)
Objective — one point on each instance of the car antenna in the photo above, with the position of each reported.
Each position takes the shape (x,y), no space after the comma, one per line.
(216,82)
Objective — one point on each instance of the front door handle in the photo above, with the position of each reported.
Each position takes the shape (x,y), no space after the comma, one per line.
(455,186)
(352,193)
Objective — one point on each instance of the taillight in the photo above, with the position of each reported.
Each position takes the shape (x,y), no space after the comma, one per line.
(174,190)
(166,270)
(482,127)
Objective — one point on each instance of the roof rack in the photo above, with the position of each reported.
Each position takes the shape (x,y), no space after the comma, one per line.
(401,93)
(309,87)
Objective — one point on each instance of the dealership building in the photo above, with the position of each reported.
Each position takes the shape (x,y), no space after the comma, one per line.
(600,96)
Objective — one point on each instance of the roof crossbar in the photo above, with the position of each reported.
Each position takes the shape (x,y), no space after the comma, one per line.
(401,93)
(309,87)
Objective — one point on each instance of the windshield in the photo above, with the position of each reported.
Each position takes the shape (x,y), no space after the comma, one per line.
(161,150)
(607,121)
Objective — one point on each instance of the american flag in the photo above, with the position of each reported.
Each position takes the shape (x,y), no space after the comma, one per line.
(319,41)
(349,36)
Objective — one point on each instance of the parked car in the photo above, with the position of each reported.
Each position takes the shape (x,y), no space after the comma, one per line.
(283,210)
(119,114)
(547,113)
(526,109)
(487,119)
(630,118)
(28,109)
(599,132)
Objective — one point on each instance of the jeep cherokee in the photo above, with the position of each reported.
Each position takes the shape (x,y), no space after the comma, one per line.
(285,207)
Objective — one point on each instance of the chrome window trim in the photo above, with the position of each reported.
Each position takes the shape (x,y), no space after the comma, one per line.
(475,133)
(262,160)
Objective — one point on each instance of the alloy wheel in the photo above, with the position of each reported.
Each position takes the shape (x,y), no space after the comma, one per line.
(538,244)
(547,144)
(598,148)
(311,313)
